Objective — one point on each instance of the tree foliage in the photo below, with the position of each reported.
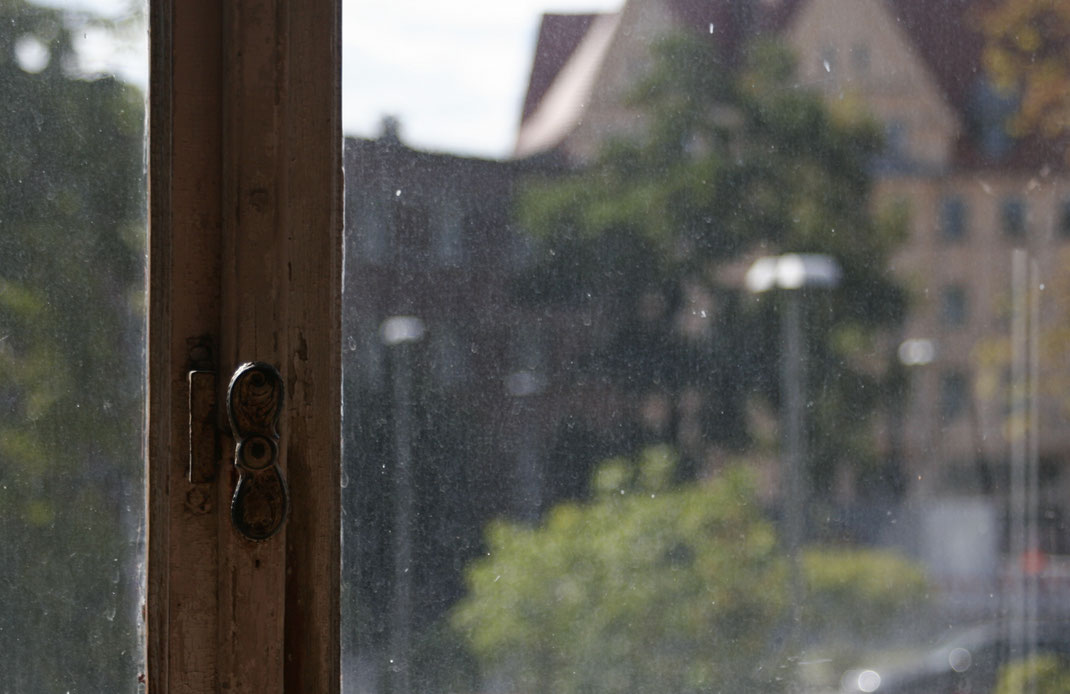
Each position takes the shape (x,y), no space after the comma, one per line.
(1041,674)
(654,586)
(71,257)
(733,164)
(1027,51)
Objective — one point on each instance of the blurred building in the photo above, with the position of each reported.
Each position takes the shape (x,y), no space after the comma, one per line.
(505,418)
(974,195)
(512,411)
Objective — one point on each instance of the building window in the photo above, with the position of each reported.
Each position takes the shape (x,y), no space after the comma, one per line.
(521,248)
(526,347)
(896,139)
(412,230)
(449,241)
(953,306)
(368,349)
(449,356)
(1012,217)
(371,232)
(952,218)
(1062,220)
(954,395)
(526,358)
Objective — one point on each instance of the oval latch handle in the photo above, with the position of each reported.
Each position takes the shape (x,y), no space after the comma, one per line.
(254,404)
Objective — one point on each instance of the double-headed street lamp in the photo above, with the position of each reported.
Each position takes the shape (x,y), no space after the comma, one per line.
(791,274)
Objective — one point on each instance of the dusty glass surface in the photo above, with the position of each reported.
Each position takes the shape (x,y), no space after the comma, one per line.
(72,257)
(703,346)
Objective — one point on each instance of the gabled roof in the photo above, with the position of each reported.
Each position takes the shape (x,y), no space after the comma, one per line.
(947,39)
(565,98)
(943,32)
(559,35)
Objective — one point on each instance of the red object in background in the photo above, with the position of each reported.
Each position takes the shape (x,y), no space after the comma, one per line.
(1034,561)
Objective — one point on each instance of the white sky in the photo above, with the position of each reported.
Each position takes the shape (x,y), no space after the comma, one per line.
(454,73)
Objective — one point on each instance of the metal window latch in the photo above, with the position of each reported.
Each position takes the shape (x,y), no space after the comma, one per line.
(254,403)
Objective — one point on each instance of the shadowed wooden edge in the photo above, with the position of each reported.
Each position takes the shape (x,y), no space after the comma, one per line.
(313,551)
(157,431)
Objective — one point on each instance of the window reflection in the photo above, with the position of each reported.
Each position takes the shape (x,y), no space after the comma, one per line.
(635,447)
(1012,217)
(952,218)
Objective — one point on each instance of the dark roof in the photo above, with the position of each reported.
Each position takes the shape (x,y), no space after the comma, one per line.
(945,34)
(559,35)
(733,21)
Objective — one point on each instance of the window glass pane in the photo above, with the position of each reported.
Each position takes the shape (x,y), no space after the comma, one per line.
(72,300)
(952,218)
(1012,215)
(953,306)
(719,346)
(1062,219)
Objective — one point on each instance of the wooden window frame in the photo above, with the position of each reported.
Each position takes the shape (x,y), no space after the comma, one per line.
(244,265)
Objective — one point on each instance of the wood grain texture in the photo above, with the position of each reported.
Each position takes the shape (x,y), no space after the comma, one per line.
(282,270)
(184,266)
(203,423)
(252,574)
(245,256)
(313,553)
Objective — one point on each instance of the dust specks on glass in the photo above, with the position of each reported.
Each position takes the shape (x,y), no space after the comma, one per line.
(72,249)
(618,461)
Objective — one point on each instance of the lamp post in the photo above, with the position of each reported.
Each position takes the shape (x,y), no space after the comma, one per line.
(400,334)
(523,387)
(913,354)
(793,273)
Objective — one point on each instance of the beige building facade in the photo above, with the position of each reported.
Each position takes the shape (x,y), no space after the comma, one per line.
(982,345)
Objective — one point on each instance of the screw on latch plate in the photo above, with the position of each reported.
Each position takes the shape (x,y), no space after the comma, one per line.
(254,403)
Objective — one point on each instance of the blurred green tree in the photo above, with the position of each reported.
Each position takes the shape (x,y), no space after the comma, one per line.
(1027,52)
(71,378)
(1041,674)
(660,587)
(734,164)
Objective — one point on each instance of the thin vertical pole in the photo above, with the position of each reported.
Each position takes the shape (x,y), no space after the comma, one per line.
(399,665)
(793,375)
(1017,493)
(1033,456)
(529,471)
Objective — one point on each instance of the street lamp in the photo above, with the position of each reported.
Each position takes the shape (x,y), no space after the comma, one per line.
(912,354)
(400,333)
(523,387)
(793,273)
(917,352)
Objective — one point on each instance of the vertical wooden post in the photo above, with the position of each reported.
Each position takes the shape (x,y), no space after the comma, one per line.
(184,314)
(252,577)
(313,222)
(245,265)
